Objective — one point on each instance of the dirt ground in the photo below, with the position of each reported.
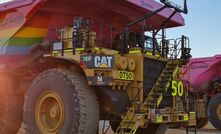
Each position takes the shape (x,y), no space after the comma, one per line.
(209,129)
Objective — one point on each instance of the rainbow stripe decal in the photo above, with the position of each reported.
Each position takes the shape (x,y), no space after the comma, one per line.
(21,42)
(18,33)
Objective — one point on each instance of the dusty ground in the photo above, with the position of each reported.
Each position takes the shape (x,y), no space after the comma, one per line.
(209,129)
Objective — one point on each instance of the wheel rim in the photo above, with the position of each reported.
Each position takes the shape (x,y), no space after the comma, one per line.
(49,112)
(219,111)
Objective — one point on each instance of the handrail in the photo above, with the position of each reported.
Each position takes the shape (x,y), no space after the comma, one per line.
(175,6)
(173,55)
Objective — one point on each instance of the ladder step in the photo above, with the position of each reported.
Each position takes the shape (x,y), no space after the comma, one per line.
(151,102)
(170,68)
(169,72)
(158,86)
(155,95)
(165,76)
(128,121)
(164,94)
(161,84)
(157,89)
(162,81)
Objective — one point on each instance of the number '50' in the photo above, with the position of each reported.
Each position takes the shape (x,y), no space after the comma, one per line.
(177,87)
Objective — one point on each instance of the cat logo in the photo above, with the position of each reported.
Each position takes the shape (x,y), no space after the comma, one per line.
(103,61)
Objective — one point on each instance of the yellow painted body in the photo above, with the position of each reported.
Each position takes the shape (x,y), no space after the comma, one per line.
(127,73)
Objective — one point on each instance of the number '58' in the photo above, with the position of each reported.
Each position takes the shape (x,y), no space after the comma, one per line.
(177,87)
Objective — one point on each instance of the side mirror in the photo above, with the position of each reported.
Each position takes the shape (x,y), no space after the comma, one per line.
(176,7)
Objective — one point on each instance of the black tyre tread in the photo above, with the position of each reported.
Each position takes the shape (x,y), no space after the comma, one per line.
(211,111)
(88,102)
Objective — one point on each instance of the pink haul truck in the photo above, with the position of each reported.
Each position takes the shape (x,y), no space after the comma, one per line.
(203,76)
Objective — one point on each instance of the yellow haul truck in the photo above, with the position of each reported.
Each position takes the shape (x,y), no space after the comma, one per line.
(69,64)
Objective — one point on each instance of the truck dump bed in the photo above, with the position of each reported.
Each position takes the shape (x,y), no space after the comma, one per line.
(200,73)
(24,23)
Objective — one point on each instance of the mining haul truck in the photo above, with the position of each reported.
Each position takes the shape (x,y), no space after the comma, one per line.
(203,77)
(67,64)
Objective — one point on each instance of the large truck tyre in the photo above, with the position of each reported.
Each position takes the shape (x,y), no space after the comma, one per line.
(214,111)
(11,103)
(60,101)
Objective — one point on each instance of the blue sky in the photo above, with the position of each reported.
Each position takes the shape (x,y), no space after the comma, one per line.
(203,27)
(2,1)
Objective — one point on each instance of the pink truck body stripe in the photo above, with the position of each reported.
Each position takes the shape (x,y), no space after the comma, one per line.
(200,72)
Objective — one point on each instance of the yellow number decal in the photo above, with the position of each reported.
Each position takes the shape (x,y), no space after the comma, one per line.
(177,88)
(124,75)
(180,88)
(174,88)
